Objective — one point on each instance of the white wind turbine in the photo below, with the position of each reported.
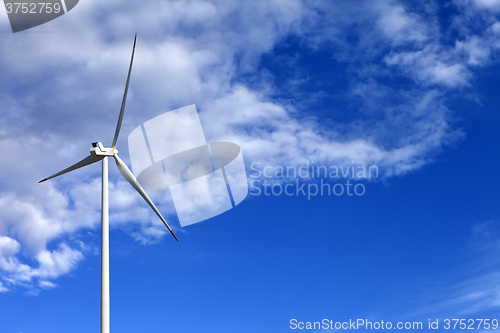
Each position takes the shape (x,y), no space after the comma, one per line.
(98,153)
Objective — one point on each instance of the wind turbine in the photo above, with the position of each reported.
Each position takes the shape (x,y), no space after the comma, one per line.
(98,153)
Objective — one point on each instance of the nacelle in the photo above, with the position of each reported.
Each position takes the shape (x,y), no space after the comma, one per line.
(99,150)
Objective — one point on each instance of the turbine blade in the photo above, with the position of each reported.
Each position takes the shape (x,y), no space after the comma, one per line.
(129,176)
(86,161)
(122,110)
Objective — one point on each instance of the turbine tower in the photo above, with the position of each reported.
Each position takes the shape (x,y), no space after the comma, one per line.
(98,153)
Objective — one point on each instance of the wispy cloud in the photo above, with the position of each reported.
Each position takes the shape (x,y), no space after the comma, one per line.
(472,290)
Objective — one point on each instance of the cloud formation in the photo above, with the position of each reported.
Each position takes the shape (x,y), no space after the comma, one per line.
(58,94)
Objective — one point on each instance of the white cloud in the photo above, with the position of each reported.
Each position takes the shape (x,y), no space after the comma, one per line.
(51,264)
(488,4)
(55,263)
(399,25)
(289,141)
(431,66)
(44,284)
(476,50)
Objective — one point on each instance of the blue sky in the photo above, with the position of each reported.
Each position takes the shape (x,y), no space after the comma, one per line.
(410,87)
